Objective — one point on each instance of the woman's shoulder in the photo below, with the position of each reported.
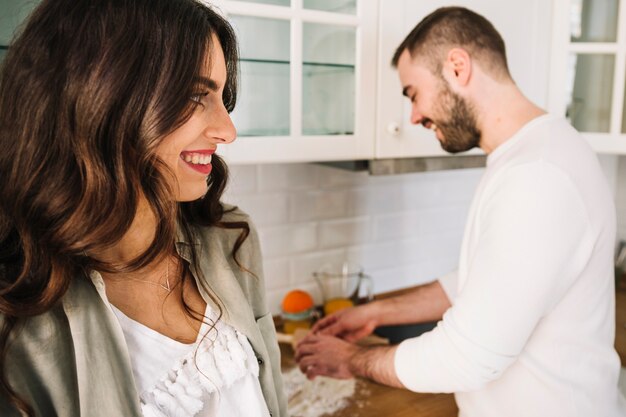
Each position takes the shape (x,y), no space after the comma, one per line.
(233,213)
(234,224)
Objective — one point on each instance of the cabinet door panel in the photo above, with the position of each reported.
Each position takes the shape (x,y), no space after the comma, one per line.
(328,79)
(525,27)
(264,94)
(593,21)
(316,102)
(335,6)
(588,63)
(590,91)
(274,2)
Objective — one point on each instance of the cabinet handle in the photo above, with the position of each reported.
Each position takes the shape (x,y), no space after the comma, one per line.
(393,129)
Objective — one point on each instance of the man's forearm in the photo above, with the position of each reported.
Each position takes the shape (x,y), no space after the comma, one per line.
(376,363)
(425,303)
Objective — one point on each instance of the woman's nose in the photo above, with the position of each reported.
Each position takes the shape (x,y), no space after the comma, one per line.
(221,128)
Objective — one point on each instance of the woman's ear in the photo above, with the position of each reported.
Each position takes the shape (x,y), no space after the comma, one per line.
(457,67)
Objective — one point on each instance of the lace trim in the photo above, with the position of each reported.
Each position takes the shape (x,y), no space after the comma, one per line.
(221,358)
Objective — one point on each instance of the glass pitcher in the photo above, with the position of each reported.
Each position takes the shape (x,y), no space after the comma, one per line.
(342,285)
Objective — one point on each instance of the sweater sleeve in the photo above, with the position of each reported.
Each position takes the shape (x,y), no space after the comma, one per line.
(533,239)
(450,283)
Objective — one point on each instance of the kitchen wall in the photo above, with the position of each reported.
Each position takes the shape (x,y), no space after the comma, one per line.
(403,229)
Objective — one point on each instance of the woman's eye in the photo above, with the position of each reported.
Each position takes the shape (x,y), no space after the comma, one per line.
(198,97)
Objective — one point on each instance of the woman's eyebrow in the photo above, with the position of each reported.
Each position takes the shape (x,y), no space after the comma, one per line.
(212,85)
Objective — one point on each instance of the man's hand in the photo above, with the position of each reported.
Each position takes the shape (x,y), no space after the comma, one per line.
(350,324)
(325,355)
(329,356)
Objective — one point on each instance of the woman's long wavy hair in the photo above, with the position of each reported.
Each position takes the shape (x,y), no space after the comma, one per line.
(88,89)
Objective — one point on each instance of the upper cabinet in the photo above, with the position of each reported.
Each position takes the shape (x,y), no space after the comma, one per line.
(525,27)
(307,82)
(589,69)
(12,14)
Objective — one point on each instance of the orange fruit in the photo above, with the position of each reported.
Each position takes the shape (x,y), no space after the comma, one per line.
(297,301)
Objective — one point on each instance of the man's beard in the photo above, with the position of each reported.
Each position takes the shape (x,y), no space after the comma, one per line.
(459,131)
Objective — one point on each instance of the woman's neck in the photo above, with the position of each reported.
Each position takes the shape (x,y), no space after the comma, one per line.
(135,241)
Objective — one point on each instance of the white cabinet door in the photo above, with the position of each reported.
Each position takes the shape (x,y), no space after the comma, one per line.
(588,70)
(12,14)
(308,80)
(525,27)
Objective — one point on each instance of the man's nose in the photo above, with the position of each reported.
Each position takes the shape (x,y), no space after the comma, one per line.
(416,116)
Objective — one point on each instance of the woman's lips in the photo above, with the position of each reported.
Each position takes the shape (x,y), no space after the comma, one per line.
(198,160)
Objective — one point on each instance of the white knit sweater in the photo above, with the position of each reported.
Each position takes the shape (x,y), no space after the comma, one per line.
(531,329)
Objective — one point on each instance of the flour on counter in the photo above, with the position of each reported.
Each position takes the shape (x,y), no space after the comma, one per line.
(318,397)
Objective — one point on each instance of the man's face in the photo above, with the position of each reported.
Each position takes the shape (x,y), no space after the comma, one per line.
(437,107)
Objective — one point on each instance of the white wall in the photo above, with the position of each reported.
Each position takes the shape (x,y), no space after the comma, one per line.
(403,229)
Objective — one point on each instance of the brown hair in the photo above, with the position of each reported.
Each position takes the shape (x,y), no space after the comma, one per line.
(87,91)
(449,27)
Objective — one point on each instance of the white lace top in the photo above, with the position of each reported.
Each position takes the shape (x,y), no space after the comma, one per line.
(215,376)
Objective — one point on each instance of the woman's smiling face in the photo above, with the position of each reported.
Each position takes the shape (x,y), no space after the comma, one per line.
(187,151)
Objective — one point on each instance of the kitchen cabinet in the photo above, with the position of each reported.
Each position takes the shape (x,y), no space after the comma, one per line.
(12,14)
(525,27)
(307,83)
(317,84)
(588,70)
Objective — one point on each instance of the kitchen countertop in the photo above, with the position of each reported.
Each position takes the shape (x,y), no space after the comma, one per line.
(374,400)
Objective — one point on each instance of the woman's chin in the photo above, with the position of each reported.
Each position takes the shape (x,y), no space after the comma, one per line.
(192,192)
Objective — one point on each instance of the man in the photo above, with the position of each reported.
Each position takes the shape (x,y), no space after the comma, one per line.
(527,321)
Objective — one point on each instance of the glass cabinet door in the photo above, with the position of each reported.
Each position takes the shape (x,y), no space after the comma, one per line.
(275,2)
(12,14)
(327,57)
(590,91)
(328,82)
(590,73)
(305,93)
(335,6)
(264,95)
(589,48)
(593,21)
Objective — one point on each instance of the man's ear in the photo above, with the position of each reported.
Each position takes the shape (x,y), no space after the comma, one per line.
(457,67)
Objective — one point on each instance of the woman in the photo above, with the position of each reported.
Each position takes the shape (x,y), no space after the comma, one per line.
(126,287)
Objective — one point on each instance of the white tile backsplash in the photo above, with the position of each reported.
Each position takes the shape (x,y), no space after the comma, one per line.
(287,177)
(243,179)
(277,273)
(288,239)
(344,232)
(303,266)
(403,229)
(269,208)
(318,205)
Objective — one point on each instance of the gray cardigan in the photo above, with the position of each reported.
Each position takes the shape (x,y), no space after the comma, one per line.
(72,360)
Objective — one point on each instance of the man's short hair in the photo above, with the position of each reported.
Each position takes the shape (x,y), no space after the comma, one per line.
(450,27)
